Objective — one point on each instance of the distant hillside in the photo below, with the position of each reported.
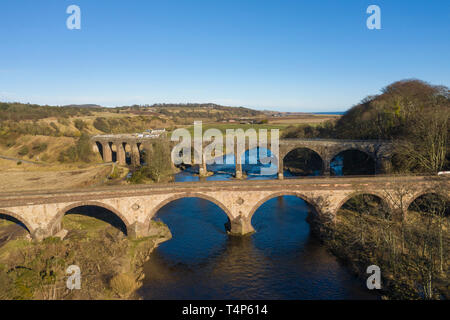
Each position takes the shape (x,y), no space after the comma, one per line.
(93,106)
(15,111)
(20,111)
(182,113)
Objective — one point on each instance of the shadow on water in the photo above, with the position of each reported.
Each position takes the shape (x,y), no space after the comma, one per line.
(280,261)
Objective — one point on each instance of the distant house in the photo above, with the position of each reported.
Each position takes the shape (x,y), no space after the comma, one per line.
(158,131)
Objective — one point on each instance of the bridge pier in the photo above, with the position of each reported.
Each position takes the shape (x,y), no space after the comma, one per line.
(120,153)
(135,155)
(239,226)
(280,168)
(326,166)
(107,153)
(138,230)
(383,165)
(238,163)
(39,234)
(202,170)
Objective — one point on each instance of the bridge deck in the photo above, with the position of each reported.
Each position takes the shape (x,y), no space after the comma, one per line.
(308,183)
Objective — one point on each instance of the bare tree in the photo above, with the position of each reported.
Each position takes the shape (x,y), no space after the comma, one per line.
(426,147)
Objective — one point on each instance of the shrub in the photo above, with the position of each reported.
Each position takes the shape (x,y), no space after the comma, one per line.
(40,147)
(124,284)
(102,125)
(79,124)
(82,151)
(23,151)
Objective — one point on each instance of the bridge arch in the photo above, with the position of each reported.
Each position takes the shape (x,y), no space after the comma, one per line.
(425,193)
(57,220)
(97,147)
(26,224)
(380,196)
(187,195)
(301,196)
(314,155)
(289,149)
(127,148)
(370,157)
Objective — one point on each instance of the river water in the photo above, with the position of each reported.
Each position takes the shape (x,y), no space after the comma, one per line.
(281,260)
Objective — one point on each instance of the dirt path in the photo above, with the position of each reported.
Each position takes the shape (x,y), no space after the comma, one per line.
(21,160)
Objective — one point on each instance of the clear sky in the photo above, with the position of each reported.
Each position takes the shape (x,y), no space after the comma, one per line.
(281,55)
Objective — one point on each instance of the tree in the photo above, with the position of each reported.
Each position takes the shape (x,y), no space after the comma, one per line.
(426,146)
(159,160)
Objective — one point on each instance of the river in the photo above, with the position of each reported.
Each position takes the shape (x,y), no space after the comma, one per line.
(281,260)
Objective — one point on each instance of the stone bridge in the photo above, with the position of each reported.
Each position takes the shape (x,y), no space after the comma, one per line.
(42,212)
(379,151)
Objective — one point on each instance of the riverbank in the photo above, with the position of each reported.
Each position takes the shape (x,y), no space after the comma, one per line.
(412,254)
(109,262)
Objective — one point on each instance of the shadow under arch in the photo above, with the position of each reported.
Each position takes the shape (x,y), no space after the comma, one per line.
(310,161)
(128,150)
(386,206)
(354,162)
(107,214)
(163,203)
(441,196)
(310,202)
(100,148)
(11,216)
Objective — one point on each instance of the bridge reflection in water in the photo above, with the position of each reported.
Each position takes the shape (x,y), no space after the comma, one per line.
(280,261)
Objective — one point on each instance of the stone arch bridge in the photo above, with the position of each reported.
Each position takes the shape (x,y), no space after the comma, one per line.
(327,149)
(42,212)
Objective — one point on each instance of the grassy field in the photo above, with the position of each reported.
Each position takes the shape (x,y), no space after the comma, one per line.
(223,127)
(311,119)
(15,177)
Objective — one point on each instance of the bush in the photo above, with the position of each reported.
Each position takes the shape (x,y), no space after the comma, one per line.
(79,124)
(63,121)
(124,284)
(102,125)
(23,151)
(82,151)
(40,147)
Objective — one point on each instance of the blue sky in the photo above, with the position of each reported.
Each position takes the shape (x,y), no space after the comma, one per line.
(285,55)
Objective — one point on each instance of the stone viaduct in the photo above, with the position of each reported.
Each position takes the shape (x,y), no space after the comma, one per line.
(42,212)
(379,151)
